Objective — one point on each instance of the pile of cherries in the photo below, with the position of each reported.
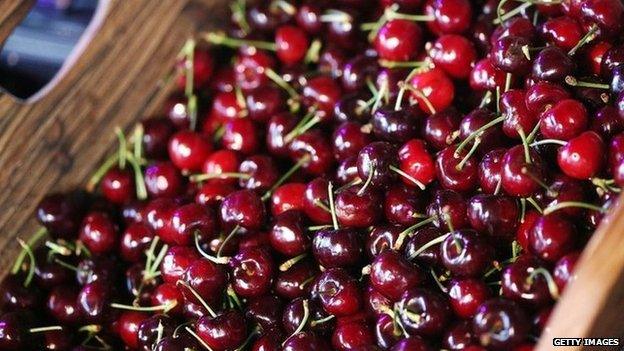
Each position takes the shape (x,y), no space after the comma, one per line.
(342,175)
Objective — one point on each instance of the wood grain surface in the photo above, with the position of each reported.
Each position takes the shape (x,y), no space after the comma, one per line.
(11,13)
(56,142)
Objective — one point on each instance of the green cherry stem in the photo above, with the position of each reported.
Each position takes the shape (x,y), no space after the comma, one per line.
(332,207)
(300,163)
(39,234)
(400,172)
(220,38)
(552,286)
(568,204)
(477,132)
(577,83)
(408,231)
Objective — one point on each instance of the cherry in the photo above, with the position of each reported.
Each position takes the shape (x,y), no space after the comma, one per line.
(350,336)
(288,234)
(391,274)
(264,102)
(517,115)
(417,162)
(403,205)
(103,268)
(563,271)
(60,214)
(387,332)
(413,343)
(337,247)
(522,282)
(486,76)
(250,68)
(490,170)
(252,272)
(176,261)
(459,336)
(441,128)
(188,150)
(348,140)
(62,304)
(456,170)
(508,54)
(466,295)
(316,203)
(322,92)
(448,209)
(357,71)
(594,55)
(186,222)
(12,333)
(358,209)
(552,237)
(520,178)
(314,151)
(500,324)
(308,17)
(118,185)
(93,301)
(304,341)
(541,96)
(223,332)
(552,64)
(16,297)
(413,247)
(564,32)
(240,135)
(424,312)
(398,40)
(221,162)
(47,275)
(347,172)
(495,215)
(450,16)
(293,282)
(207,279)
(244,208)
(375,162)
(163,179)
(489,138)
(338,292)
(455,54)
(433,90)
(152,329)
(176,110)
(288,197)
(606,14)
(395,126)
(583,156)
(168,294)
(98,233)
(466,253)
(259,172)
(292,44)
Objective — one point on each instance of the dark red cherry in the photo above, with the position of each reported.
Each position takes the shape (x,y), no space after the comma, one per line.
(441,128)
(395,125)
(226,331)
(289,196)
(495,215)
(186,222)
(413,343)
(338,292)
(421,237)
(375,162)
(176,261)
(500,324)
(357,71)
(459,337)
(398,40)
(519,26)
(552,64)
(93,301)
(387,333)
(292,44)
(260,172)
(315,146)
(520,282)
(541,96)
(60,214)
(308,17)
(606,14)
(454,54)
(16,297)
(176,109)
(294,282)
(152,329)
(563,272)
(358,209)
(265,310)
(118,185)
(337,247)
(264,102)
(466,295)
(167,294)
(583,156)
(489,138)
(508,54)
(448,209)
(382,238)
(304,341)
(391,274)
(13,334)
(188,150)
(450,16)
(455,174)
(352,336)
(417,162)
(244,208)
(517,115)
(520,178)
(288,234)
(564,32)
(403,205)
(219,162)
(252,272)
(163,179)
(98,233)
(466,253)
(240,135)
(62,304)
(434,90)
(250,68)
(316,201)
(348,140)
(565,120)
(424,312)
(552,237)
(207,279)
(485,76)
(490,170)
(322,93)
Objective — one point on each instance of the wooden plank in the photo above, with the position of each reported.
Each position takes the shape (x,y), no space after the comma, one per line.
(55,142)
(11,14)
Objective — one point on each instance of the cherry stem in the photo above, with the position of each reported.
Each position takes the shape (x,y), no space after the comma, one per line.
(137,141)
(540,182)
(319,203)
(419,94)
(164,308)
(239,9)
(322,320)
(369,178)
(403,87)
(277,79)
(197,296)
(552,286)
(285,6)
(227,238)
(380,94)
(39,234)
(141,190)
(391,13)
(101,171)
(232,294)
(508,77)
(300,163)
(437,281)
(199,339)
(308,121)
(304,319)
(408,231)
(32,265)
(449,223)
(220,38)
(319,227)
(535,204)
(548,141)
(403,64)
(486,100)
(577,83)
(153,261)
(196,178)
(121,138)
(211,258)
(568,204)
(471,152)
(525,145)
(45,329)
(533,133)
(502,18)
(408,177)
(332,207)
(606,185)
(477,132)
(498,186)
(332,15)
(58,249)
(589,36)
(291,262)
(313,53)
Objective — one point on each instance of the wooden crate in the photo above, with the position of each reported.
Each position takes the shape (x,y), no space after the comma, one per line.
(55,140)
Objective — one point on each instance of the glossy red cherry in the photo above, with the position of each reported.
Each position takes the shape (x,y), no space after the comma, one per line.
(466,253)
(358,209)
(98,233)
(163,179)
(287,197)
(128,327)
(396,125)
(338,292)
(583,156)
(226,331)
(292,44)
(288,234)
(552,237)
(398,40)
(249,69)
(516,113)
(118,185)
(500,324)
(350,336)
(176,261)
(541,96)
(337,247)
(417,162)
(403,205)
(455,54)
(521,283)
(244,208)
(466,295)
(520,178)
(453,172)
(322,92)
(392,275)
(434,90)
(495,215)
(564,31)
(424,312)
(188,150)
(563,272)
(252,271)
(450,16)
(486,76)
